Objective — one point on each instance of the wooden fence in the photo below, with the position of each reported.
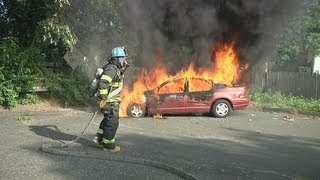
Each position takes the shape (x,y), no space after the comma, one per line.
(298,83)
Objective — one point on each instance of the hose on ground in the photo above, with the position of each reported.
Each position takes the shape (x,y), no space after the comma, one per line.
(56,149)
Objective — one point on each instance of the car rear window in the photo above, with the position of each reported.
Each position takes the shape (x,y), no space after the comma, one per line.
(196,85)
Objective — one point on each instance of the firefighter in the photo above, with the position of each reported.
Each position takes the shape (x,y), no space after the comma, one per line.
(107,86)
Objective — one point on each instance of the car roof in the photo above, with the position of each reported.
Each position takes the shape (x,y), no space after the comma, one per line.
(181,78)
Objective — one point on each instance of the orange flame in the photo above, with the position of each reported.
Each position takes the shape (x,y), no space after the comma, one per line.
(158,116)
(225,69)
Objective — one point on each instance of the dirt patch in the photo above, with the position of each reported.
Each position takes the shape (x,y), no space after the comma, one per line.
(253,107)
(43,106)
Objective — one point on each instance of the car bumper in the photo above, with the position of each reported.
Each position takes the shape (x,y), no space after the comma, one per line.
(241,103)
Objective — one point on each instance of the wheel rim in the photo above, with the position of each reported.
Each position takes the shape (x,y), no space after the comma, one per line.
(222,109)
(136,111)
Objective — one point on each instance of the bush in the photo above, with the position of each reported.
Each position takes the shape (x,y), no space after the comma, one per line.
(71,88)
(280,100)
(18,69)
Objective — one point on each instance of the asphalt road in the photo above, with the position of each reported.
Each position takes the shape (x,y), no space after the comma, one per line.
(246,145)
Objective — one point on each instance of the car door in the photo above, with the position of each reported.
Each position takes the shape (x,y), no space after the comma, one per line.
(199,94)
(171,97)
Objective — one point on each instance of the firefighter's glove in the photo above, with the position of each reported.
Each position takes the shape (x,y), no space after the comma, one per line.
(102,104)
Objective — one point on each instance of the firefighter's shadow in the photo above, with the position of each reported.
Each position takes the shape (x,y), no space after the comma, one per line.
(54,133)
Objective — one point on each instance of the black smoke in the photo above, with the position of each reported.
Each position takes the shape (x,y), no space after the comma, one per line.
(198,24)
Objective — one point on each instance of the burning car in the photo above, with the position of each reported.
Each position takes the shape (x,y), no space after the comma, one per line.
(190,95)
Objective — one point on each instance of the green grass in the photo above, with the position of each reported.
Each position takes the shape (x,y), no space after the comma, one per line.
(281,100)
(24,118)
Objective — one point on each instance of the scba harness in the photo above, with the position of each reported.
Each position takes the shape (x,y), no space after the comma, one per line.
(112,92)
(109,86)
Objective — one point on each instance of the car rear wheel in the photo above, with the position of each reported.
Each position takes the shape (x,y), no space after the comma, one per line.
(136,110)
(221,108)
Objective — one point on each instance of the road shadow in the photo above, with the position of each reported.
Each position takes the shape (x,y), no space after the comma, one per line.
(300,155)
(54,133)
(251,156)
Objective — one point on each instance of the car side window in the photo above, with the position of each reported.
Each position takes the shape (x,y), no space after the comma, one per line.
(176,86)
(196,85)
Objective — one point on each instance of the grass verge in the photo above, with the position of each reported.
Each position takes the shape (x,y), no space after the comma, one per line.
(271,99)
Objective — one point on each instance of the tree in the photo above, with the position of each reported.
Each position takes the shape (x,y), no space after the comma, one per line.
(29,28)
(300,41)
(53,34)
(40,23)
(98,27)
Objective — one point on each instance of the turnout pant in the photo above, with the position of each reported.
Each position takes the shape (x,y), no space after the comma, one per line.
(110,123)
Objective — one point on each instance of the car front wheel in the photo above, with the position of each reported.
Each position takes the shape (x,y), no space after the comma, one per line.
(221,108)
(136,110)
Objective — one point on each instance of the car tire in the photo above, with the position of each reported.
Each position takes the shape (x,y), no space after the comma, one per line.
(136,110)
(221,108)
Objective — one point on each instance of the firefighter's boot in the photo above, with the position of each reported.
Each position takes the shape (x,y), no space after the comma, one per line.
(115,149)
(109,145)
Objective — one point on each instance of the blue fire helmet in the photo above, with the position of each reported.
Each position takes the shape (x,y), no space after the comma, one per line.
(119,52)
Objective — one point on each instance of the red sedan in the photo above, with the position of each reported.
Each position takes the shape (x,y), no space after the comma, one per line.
(188,96)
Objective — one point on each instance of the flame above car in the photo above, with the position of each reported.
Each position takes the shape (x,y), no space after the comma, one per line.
(224,70)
